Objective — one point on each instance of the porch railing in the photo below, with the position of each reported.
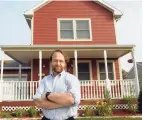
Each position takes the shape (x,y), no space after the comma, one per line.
(25,90)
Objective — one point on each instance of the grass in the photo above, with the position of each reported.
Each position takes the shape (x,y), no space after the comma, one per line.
(109,118)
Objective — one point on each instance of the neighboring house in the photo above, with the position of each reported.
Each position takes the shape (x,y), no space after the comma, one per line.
(131,73)
(12,70)
(86,31)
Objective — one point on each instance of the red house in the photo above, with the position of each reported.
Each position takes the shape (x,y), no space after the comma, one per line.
(86,32)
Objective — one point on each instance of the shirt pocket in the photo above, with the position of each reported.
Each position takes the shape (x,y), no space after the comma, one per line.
(48,88)
(61,87)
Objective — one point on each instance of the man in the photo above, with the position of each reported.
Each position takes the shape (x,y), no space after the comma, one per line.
(58,93)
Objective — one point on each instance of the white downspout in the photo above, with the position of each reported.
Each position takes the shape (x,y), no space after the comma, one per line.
(108,83)
(40,66)
(76,67)
(1,80)
(136,74)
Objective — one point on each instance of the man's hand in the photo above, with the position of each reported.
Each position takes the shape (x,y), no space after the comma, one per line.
(43,96)
(43,103)
(65,99)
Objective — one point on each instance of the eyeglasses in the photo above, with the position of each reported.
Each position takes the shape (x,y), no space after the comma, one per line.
(56,61)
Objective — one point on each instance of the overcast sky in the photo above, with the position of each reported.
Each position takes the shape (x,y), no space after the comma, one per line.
(15,31)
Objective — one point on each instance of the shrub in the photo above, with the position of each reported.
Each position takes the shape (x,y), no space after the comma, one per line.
(32,111)
(89,111)
(5,115)
(19,112)
(132,108)
(140,102)
(104,107)
(81,113)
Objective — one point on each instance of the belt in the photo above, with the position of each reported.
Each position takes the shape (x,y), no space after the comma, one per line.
(70,118)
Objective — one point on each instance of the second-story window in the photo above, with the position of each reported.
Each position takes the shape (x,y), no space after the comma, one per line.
(74,29)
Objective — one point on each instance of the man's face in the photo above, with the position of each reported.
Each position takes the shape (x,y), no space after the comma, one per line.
(58,62)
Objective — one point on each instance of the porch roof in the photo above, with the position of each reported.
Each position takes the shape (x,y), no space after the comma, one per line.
(24,53)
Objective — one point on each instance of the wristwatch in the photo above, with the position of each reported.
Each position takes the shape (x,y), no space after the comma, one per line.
(47,94)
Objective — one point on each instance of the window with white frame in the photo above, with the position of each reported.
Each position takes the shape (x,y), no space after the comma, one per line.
(74,29)
(102,72)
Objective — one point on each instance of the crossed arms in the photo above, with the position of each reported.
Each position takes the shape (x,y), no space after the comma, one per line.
(56,100)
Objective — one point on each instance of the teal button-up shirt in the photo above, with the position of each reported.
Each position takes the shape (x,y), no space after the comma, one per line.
(62,83)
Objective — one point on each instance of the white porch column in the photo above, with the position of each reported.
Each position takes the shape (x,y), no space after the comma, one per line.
(1,78)
(40,65)
(20,72)
(76,67)
(108,83)
(136,74)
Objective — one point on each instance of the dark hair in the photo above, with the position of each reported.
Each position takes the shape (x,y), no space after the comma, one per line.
(65,56)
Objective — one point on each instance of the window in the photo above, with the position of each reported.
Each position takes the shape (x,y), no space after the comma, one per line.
(74,29)
(14,77)
(83,71)
(102,73)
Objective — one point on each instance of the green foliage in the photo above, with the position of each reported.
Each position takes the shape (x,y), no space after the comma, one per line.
(107,96)
(111,118)
(32,111)
(89,111)
(19,112)
(104,107)
(5,115)
(132,108)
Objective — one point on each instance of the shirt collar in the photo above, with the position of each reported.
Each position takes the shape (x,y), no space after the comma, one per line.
(60,74)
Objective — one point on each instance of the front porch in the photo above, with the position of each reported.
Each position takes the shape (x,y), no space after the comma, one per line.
(90,89)
(92,86)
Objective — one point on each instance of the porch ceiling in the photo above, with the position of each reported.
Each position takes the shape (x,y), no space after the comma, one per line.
(24,54)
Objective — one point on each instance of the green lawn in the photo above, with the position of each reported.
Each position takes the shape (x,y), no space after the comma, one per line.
(109,118)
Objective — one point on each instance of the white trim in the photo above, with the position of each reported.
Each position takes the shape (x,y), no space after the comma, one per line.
(108,61)
(115,28)
(106,66)
(84,61)
(40,65)
(32,30)
(32,70)
(76,63)
(115,11)
(74,29)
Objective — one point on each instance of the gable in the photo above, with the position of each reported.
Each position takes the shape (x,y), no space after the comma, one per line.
(28,14)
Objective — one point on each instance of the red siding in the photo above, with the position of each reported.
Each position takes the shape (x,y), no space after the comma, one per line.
(45,69)
(45,21)
(70,69)
(117,68)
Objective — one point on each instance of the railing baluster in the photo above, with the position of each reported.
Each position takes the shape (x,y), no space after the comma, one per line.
(94,89)
(97,86)
(88,95)
(91,91)
(33,89)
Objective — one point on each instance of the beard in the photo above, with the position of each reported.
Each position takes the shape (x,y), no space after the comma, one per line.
(58,69)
